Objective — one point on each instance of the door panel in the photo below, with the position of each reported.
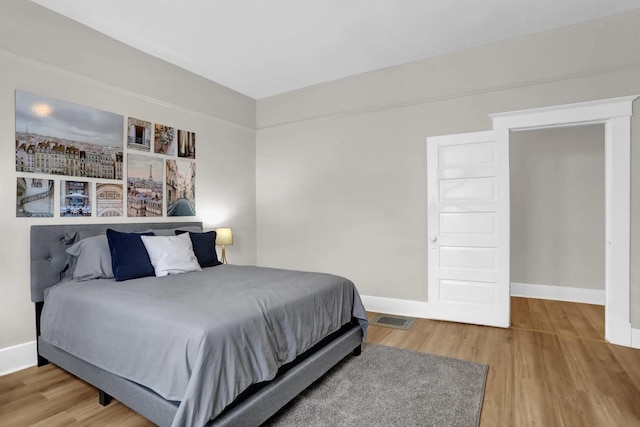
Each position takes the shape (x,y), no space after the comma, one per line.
(468,189)
(469,223)
(475,292)
(468,214)
(467,154)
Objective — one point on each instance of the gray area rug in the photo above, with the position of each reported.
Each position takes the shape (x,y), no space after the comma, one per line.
(388,386)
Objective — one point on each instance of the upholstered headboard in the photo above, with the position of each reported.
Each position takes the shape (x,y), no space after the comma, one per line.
(49,242)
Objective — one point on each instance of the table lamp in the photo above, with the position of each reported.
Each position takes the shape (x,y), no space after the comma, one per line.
(224,236)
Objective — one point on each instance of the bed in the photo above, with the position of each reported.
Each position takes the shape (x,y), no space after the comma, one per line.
(233,344)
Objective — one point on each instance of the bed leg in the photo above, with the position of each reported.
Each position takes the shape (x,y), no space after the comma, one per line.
(104,398)
(42,361)
(357,351)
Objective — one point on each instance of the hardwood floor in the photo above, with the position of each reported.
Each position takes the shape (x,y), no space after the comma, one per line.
(551,368)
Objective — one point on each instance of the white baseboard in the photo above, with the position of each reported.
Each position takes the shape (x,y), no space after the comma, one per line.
(558,293)
(635,338)
(400,307)
(18,357)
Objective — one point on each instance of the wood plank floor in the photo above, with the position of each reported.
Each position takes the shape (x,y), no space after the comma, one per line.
(552,368)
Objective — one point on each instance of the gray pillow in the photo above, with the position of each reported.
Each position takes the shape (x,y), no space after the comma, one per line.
(93,258)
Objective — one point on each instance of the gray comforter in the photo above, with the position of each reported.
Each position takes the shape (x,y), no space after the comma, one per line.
(199,338)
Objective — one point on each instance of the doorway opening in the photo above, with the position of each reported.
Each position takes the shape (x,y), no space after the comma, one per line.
(557,248)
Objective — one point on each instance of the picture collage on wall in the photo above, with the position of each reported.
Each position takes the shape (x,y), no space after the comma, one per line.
(84,146)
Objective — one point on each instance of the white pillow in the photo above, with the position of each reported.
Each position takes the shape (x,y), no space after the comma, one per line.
(171,254)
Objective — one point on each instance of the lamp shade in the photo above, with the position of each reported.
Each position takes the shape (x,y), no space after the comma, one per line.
(224,236)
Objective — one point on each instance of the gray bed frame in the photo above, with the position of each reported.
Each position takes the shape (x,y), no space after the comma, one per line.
(252,408)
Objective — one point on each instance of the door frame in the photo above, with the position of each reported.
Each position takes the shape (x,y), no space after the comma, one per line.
(615,114)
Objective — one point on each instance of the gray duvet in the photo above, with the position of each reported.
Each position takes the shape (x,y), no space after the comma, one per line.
(199,338)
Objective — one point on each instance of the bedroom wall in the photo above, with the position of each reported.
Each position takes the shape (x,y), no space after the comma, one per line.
(341,166)
(47,54)
(557,207)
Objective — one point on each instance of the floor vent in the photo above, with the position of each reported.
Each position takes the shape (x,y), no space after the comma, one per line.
(393,321)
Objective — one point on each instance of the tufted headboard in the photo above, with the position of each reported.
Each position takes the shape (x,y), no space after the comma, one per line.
(49,242)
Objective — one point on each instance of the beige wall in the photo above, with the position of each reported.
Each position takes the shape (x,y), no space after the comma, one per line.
(557,206)
(44,53)
(341,167)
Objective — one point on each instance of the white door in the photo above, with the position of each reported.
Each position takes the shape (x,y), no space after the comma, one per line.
(468,214)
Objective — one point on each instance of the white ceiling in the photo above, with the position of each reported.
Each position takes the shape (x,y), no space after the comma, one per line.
(265,47)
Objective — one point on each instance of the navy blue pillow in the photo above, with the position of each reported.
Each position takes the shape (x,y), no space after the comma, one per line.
(129,257)
(204,246)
